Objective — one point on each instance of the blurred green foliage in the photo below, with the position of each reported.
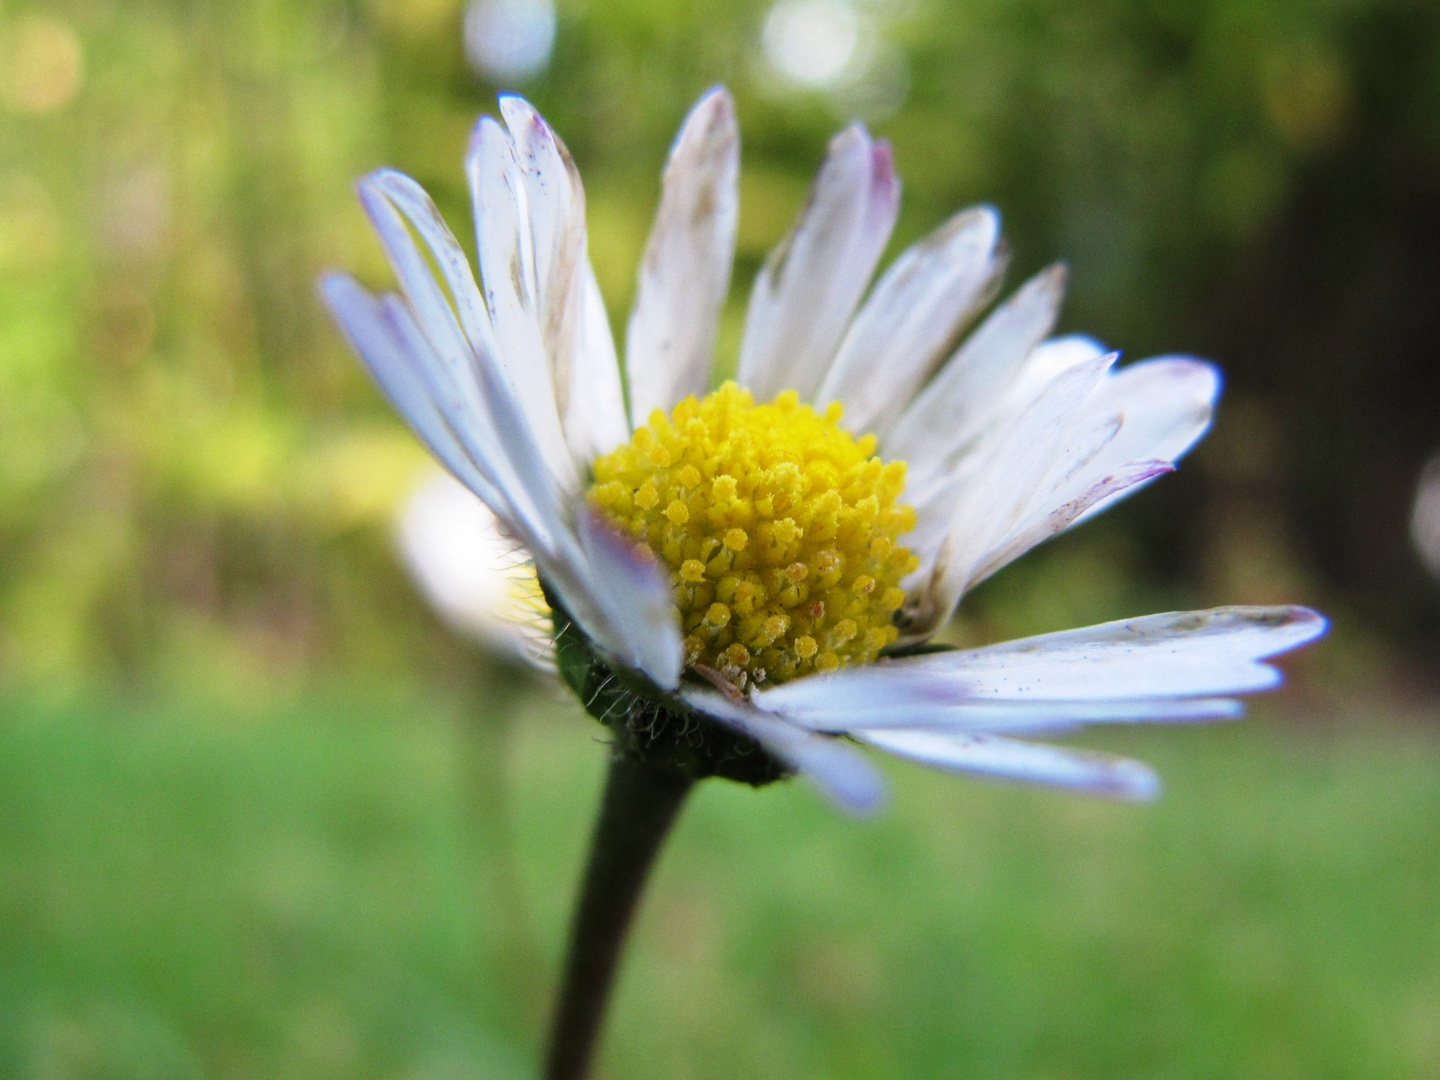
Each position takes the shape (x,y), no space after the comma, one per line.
(308,893)
(196,478)
(197,481)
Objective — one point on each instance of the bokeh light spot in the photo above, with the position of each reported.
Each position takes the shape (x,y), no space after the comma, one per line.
(509,39)
(1306,94)
(41,65)
(812,42)
(30,226)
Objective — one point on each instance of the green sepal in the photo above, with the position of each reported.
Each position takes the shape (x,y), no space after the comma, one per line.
(649,725)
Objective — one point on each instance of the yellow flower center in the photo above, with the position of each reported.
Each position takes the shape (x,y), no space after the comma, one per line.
(779,527)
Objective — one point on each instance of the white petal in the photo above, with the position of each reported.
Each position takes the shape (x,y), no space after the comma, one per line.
(1166,404)
(1162,407)
(511,290)
(397,374)
(1047,517)
(962,398)
(1053,433)
(580,348)
(434,316)
(1018,456)
(685,274)
(991,502)
(449,415)
(1029,763)
(1130,430)
(1047,360)
(480,413)
(483,437)
(554,210)
(843,774)
(1172,655)
(887,695)
(392,200)
(409,199)
(477,578)
(805,294)
(448,361)
(913,314)
(595,421)
(634,595)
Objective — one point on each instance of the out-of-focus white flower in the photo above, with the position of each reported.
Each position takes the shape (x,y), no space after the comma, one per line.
(740,558)
(479,580)
(1425,517)
(509,40)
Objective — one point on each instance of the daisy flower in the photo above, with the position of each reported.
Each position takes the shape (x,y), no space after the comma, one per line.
(743,581)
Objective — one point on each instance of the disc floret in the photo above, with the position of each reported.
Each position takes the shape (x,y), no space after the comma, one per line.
(780,529)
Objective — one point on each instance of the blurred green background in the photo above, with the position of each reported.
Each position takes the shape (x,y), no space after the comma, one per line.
(261,816)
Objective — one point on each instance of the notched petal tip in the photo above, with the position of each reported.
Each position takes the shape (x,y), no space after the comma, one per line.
(381,185)
(988,212)
(386,175)
(368,191)
(1191,378)
(394,183)
(1198,367)
(1269,630)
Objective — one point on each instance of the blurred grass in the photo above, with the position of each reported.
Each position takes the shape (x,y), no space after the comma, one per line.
(309,893)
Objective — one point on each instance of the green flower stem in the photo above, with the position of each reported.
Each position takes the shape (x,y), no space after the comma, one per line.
(640,805)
